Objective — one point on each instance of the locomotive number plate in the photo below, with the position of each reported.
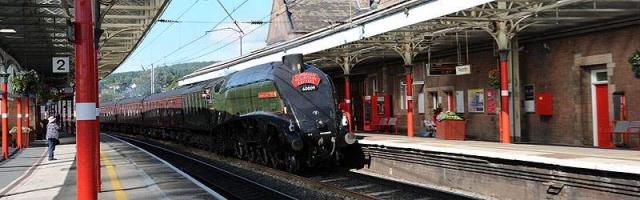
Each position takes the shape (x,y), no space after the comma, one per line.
(308,87)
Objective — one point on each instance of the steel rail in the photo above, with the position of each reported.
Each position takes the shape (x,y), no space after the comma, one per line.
(228,184)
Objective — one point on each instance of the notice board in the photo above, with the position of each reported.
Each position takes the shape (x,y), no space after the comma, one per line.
(476,100)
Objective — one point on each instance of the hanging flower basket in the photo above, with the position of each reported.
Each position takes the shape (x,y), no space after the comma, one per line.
(634,60)
(25,82)
(494,78)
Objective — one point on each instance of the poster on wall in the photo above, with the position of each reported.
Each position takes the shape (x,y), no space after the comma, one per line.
(460,101)
(491,101)
(476,100)
(529,99)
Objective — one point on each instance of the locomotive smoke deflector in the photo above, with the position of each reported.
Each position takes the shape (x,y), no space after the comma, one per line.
(295,62)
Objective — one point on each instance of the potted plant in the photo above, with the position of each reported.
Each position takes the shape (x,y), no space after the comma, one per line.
(26,131)
(494,78)
(450,126)
(634,60)
(12,136)
(25,82)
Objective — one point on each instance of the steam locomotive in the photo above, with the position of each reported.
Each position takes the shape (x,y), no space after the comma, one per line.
(279,114)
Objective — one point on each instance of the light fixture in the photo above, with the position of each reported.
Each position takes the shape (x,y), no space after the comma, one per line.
(7,30)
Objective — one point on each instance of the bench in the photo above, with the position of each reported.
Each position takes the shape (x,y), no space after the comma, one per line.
(626,128)
(387,123)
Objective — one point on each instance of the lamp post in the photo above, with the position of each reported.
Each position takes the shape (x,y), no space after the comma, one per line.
(5,115)
(233,29)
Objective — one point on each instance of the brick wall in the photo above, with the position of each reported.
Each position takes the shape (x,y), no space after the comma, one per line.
(555,66)
(560,66)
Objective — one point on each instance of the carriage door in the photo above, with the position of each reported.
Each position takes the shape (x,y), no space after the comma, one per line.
(600,108)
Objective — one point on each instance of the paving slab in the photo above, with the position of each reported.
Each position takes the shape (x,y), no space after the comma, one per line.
(126,173)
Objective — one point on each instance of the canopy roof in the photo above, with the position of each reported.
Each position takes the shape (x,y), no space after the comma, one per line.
(43,28)
(435,26)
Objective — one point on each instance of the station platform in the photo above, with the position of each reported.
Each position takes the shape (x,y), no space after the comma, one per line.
(611,160)
(521,171)
(127,173)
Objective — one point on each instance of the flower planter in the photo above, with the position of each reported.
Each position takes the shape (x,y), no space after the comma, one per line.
(451,129)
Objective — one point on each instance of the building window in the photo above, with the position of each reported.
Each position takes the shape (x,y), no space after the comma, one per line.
(374,85)
(435,100)
(403,94)
(602,76)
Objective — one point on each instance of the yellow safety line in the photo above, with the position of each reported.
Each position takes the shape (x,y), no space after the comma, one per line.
(113,176)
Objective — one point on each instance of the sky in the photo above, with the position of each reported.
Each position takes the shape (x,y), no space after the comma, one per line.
(188,40)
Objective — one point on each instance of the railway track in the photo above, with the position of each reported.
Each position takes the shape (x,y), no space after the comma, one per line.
(380,188)
(331,183)
(228,184)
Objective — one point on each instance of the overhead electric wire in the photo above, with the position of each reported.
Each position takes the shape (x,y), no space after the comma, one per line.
(229,15)
(202,36)
(282,10)
(219,48)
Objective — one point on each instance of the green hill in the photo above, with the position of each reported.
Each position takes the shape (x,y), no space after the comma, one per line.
(138,83)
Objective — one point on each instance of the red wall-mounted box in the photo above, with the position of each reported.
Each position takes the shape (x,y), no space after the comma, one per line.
(544,103)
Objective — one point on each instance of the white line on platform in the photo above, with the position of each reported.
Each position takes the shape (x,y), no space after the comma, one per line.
(198,183)
(26,174)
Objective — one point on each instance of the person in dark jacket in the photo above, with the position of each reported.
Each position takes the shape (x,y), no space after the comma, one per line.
(53,132)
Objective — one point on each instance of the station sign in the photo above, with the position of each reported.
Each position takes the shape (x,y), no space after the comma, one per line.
(60,64)
(463,69)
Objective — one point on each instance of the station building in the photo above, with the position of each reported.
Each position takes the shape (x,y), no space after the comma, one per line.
(581,70)
(569,78)
(584,70)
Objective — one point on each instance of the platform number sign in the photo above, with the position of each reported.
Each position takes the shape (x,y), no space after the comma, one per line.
(60,64)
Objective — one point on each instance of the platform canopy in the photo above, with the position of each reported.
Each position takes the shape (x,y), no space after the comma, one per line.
(438,26)
(35,31)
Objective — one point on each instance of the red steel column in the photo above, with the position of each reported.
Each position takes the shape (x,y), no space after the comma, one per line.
(347,98)
(19,121)
(409,80)
(85,101)
(26,120)
(5,121)
(99,167)
(505,133)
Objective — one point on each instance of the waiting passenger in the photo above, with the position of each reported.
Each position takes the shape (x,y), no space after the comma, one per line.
(53,131)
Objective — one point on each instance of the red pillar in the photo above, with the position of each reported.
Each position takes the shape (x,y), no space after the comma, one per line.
(505,133)
(347,99)
(409,80)
(5,121)
(85,101)
(19,121)
(26,121)
(99,180)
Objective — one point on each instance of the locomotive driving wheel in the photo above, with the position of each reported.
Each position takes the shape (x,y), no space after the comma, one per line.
(292,164)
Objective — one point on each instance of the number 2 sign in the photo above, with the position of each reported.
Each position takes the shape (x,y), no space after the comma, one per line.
(60,64)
